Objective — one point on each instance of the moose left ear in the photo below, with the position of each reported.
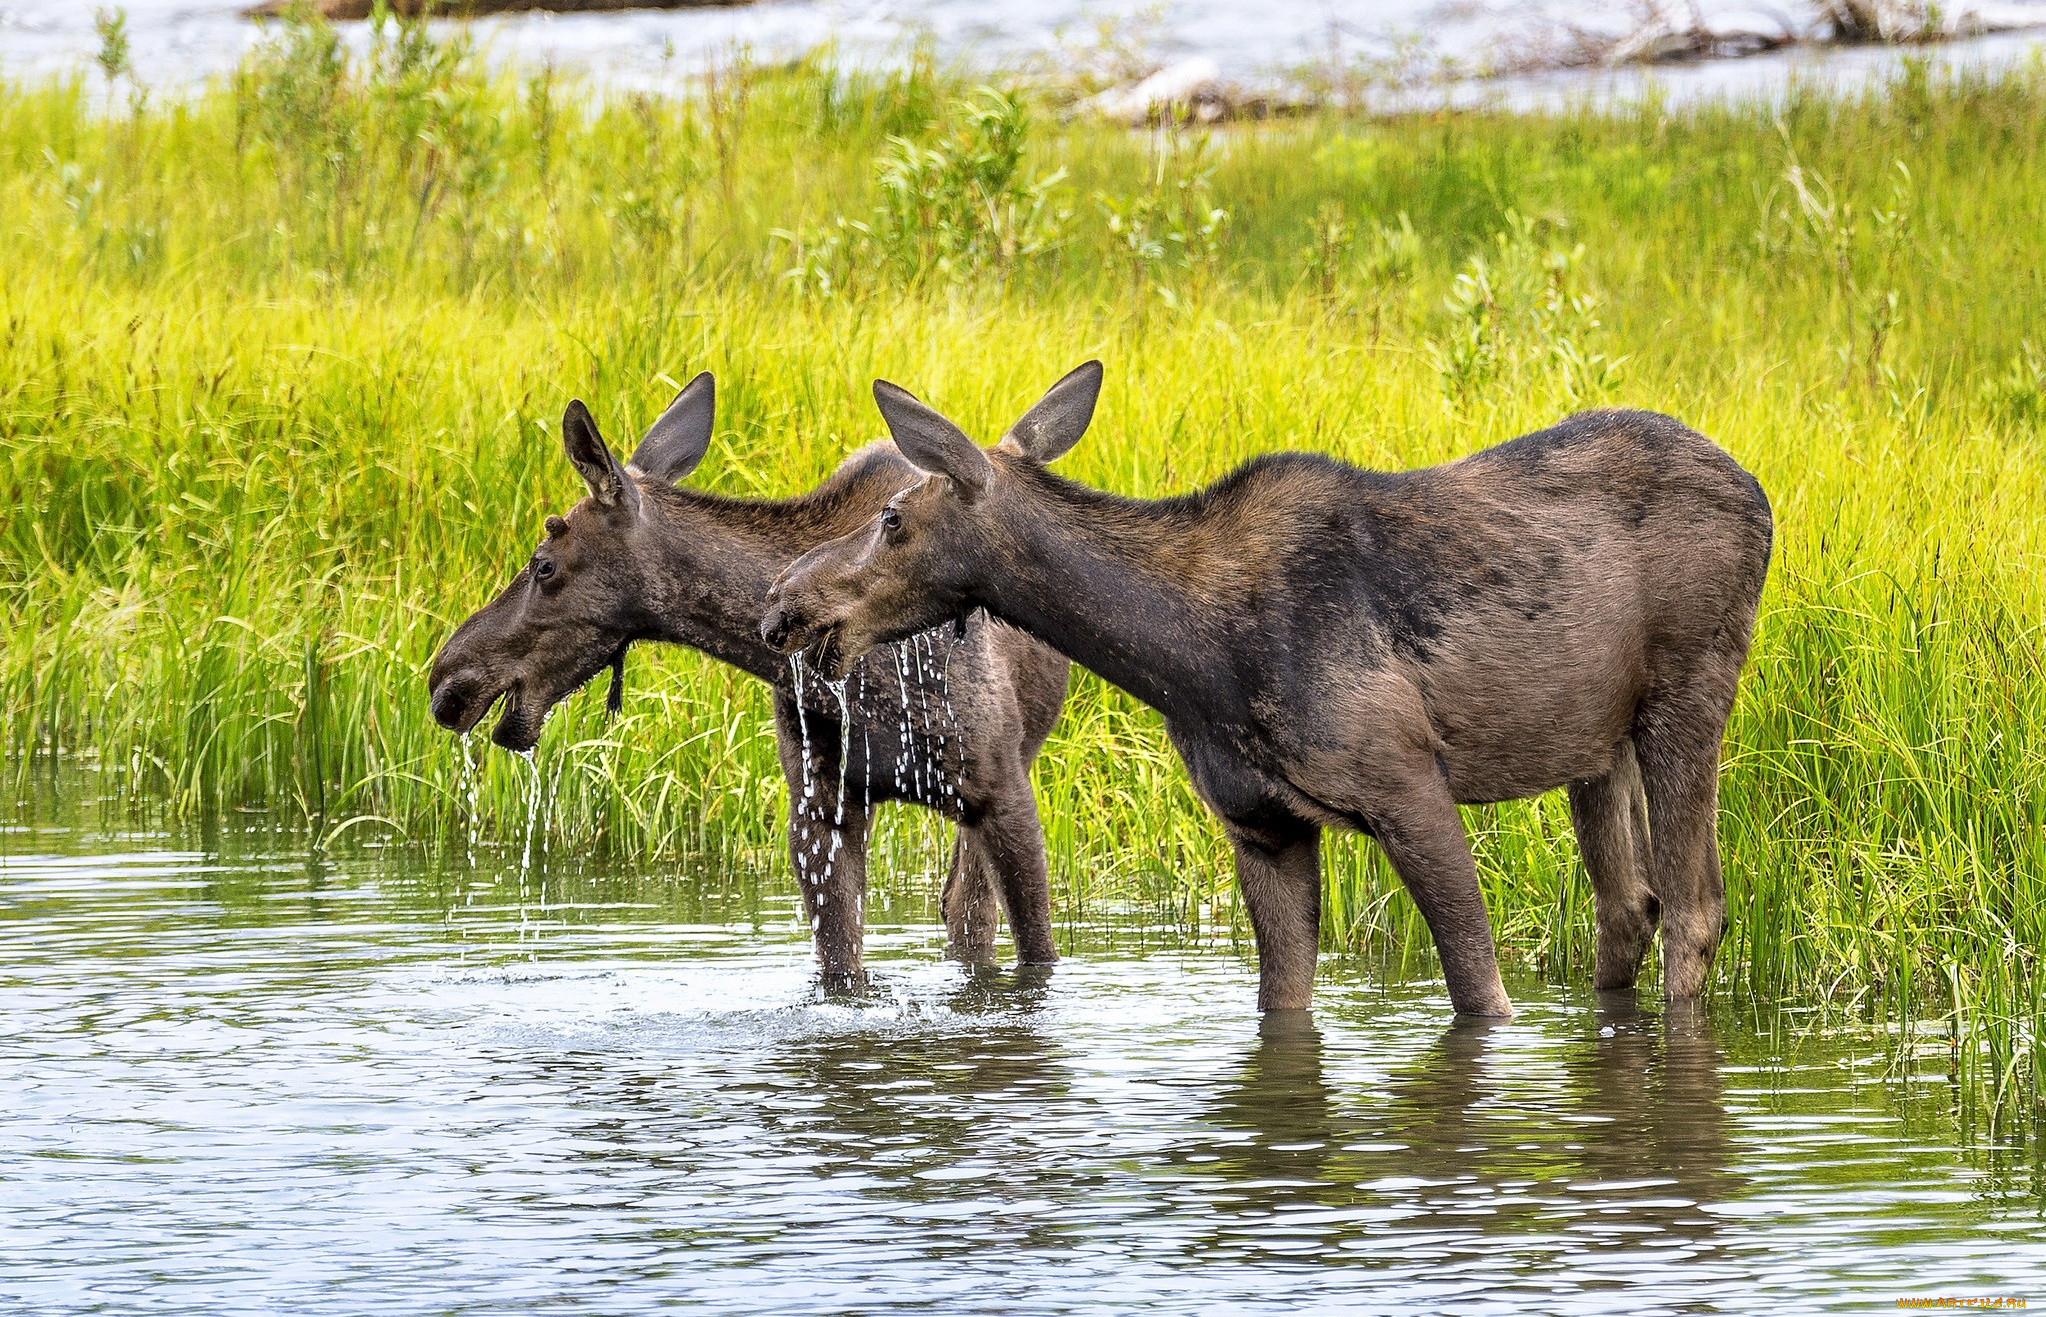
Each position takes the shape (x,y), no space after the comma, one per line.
(676,442)
(1050,428)
(607,480)
(931,442)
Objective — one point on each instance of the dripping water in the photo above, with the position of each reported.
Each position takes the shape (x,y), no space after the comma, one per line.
(921,764)
(837,689)
(470,784)
(532,814)
(802,810)
(802,724)
(902,764)
(866,752)
(553,793)
(951,718)
(533,799)
(951,648)
(934,739)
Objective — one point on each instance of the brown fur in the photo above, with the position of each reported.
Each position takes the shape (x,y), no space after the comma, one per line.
(642,559)
(1333,647)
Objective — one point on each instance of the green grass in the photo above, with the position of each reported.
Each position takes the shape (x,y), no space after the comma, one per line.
(280,366)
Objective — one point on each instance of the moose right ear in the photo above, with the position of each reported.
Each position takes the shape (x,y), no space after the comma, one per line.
(1049,429)
(607,480)
(675,443)
(930,441)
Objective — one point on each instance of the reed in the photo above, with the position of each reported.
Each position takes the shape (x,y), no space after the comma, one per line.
(280,365)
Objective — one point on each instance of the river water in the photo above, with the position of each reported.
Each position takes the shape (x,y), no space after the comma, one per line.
(179,43)
(239,1078)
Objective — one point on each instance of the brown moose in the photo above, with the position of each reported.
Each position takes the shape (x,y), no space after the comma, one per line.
(1336,647)
(952,723)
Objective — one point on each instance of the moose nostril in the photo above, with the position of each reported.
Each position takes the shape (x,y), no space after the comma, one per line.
(448,703)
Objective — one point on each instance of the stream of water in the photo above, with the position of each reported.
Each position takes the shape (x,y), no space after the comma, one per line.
(180,43)
(242,1078)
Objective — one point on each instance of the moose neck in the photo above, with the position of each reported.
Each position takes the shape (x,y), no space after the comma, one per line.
(1104,581)
(718,556)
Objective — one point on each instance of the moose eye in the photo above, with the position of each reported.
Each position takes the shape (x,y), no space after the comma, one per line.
(891,521)
(543,569)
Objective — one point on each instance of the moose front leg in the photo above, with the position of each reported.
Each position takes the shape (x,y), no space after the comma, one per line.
(827,842)
(1279,875)
(830,859)
(1423,837)
(1278,866)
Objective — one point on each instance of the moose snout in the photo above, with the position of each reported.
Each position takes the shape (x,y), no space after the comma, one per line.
(450,701)
(776,626)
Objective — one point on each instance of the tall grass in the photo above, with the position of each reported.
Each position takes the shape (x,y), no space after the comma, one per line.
(279,368)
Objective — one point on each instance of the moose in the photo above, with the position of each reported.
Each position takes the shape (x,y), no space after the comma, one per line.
(1337,647)
(952,723)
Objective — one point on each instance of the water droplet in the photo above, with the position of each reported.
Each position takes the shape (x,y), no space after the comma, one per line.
(532,812)
(801,803)
(837,688)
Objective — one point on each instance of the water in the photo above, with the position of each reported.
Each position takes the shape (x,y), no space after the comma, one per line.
(179,43)
(240,1079)
(469,781)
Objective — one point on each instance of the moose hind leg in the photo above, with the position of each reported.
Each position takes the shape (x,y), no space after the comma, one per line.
(1012,839)
(1678,748)
(1609,814)
(969,901)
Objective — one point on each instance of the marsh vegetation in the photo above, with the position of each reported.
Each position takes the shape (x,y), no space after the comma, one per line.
(281,365)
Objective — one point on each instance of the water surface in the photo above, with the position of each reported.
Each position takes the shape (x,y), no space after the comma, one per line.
(239,1080)
(179,43)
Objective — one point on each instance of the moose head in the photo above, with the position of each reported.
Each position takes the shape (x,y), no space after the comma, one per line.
(917,565)
(586,593)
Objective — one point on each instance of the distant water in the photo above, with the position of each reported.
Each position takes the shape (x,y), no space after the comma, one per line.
(179,43)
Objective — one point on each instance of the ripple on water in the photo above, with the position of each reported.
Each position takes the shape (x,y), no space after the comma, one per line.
(258,1084)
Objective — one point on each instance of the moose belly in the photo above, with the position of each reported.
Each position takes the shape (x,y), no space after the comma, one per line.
(1522,709)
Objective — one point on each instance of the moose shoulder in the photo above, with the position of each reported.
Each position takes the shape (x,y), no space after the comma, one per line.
(644,558)
(1336,647)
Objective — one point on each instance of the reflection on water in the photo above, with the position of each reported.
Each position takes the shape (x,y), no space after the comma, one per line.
(242,1082)
(1481,1135)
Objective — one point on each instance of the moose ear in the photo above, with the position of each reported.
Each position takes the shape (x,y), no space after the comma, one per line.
(930,441)
(1049,430)
(676,442)
(607,480)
